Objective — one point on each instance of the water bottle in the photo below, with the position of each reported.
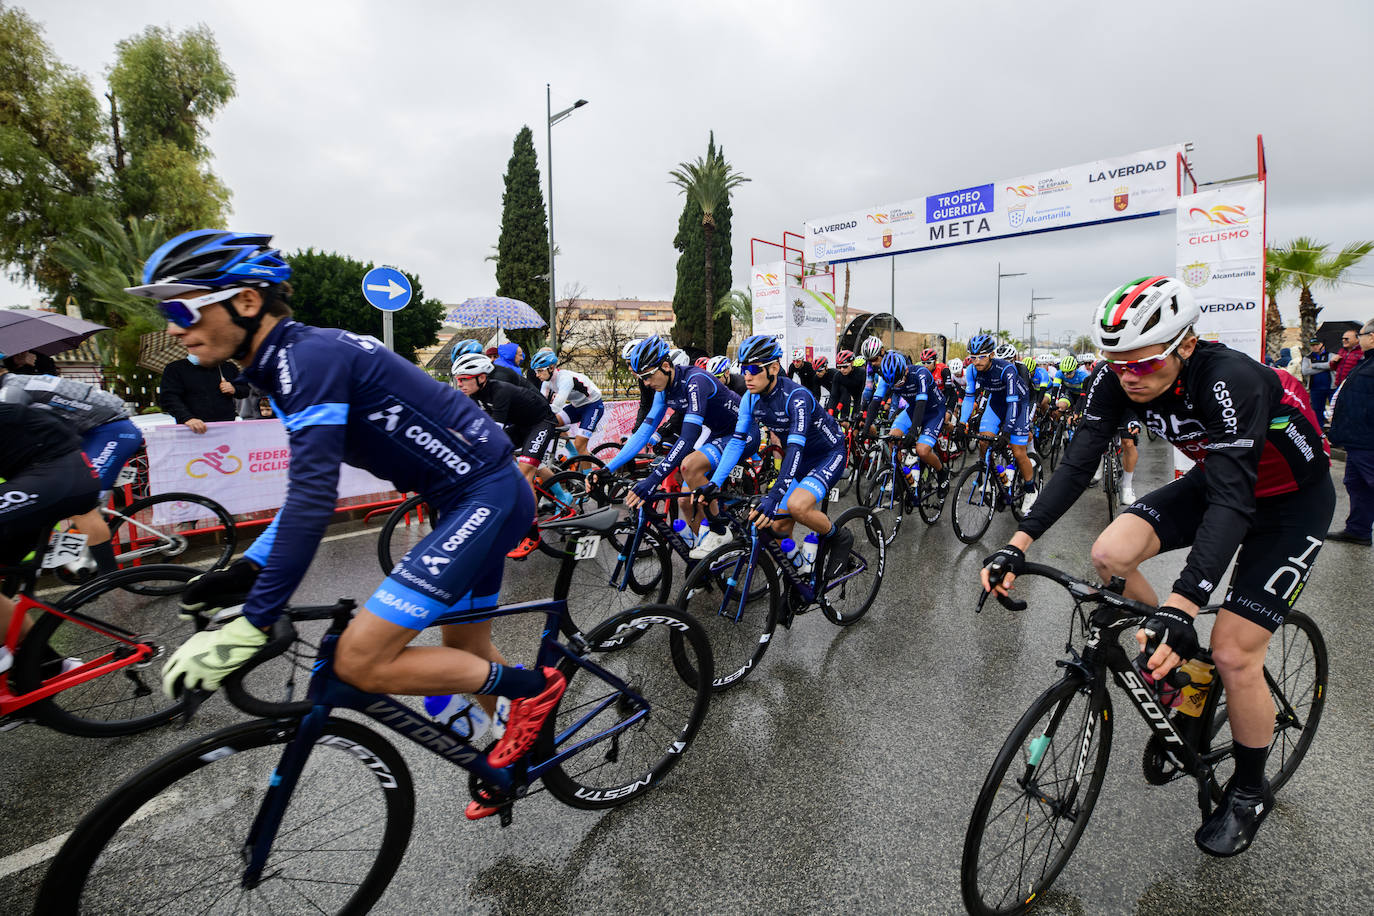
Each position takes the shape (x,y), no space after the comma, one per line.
(810,545)
(460,714)
(793,551)
(684,532)
(704,530)
(1005,471)
(1192,697)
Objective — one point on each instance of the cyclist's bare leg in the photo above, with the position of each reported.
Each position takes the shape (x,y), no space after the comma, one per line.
(375,655)
(6,615)
(695,470)
(94,526)
(1023,462)
(804,509)
(528,469)
(1238,649)
(1129,455)
(476,639)
(928,456)
(580,445)
(1118,551)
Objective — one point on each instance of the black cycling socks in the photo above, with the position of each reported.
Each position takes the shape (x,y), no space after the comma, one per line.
(512,682)
(1249,766)
(103,554)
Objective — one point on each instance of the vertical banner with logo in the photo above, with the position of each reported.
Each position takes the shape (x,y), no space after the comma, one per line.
(1221,258)
(768,285)
(802,319)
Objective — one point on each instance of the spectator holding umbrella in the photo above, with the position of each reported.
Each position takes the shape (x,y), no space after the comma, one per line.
(195,395)
(1352,428)
(31,363)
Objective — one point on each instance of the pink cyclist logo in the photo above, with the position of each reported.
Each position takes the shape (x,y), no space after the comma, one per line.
(220,460)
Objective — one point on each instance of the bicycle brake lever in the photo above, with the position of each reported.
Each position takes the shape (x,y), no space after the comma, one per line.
(193,697)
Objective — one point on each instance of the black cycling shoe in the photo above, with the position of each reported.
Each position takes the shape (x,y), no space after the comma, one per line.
(837,552)
(1231,828)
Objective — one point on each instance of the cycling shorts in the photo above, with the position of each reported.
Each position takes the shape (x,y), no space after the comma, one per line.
(41,495)
(458,566)
(110,446)
(1019,434)
(817,476)
(1277,554)
(931,424)
(536,444)
(714,448)
(586,418)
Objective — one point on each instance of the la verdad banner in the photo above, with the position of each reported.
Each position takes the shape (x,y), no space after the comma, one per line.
(1123,187)
(1221,258)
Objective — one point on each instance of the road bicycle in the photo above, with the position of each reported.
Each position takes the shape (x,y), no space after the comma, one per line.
(1111,475)
(303,811)
(893,493)
(986,487)
(1036,800)
(742,590)
(90,664)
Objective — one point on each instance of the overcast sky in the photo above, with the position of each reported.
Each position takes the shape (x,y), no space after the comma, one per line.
(383,130)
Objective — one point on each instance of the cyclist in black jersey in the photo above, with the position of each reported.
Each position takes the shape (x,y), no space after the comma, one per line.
(522,412)
(499,372)
(1261,483)
(847,385)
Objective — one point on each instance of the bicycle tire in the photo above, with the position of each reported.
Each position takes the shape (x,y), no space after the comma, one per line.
(178,543)
(973,521)
(1027,750)
(843,600)
(1296,670)
(928,500)
(1109,484)
(670,658)
(582,498)
(739,637)
(1016,495)
(882,493)
(412,533)
(580,463)
(195,812)
(125,701)
(588,587)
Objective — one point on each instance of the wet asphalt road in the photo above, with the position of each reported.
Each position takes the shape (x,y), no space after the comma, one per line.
(839,777)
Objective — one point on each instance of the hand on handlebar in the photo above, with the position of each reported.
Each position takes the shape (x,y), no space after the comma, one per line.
(1169,638)
(705,494)
(1001,569)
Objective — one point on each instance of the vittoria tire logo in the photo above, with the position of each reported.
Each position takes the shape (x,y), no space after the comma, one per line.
(1220,215)
(1197,274)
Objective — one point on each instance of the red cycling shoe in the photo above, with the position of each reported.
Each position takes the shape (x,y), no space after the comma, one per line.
(527,717)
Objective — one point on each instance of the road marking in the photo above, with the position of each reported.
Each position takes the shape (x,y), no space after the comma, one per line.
(42,852)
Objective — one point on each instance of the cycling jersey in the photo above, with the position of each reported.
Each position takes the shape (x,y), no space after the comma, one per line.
(709,412)
(1074,381)
(569,387)
(735,383)
(46,478)
(924,406)
(83,406)
(1006,390)
(813,436)
(344,397)
(1250,435)
(805,375)
(847,390)
(516,408)
(1041,379)
(511,377)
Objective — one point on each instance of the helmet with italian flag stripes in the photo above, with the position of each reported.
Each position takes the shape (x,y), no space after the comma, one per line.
(1146,311)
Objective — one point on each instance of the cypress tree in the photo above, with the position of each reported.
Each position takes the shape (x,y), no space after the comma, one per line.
(522,252)
(689,330)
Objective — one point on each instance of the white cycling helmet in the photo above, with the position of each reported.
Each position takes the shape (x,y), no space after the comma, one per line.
(472,364)
(1150,310)
(678,358)
(718,365)
(629,348)
(1005,351)
(870,348)
(956,365)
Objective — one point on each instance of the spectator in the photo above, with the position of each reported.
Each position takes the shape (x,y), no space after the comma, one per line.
(1352,428)
(510,355)
(1349,357)
(31,363)
(1316,372)
(1285,357)
(195,395)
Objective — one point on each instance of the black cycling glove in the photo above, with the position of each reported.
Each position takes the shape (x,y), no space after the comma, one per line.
(1010,559)
(220,588)
(1173,628)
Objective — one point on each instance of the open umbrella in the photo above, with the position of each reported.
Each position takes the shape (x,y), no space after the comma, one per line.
(157,350)
(486,311)
(42,332)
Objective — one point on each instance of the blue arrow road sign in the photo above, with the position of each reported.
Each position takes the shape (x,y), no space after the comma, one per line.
(386,288)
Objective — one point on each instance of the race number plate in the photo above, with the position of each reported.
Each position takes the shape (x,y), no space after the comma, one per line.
(63,548)
(737,473)
(587,547)
(127,475)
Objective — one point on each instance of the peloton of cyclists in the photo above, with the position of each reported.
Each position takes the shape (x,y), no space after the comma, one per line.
(924,410)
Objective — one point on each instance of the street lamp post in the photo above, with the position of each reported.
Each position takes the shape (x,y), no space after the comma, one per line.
(1032,316)
(553,119)
(1000,275)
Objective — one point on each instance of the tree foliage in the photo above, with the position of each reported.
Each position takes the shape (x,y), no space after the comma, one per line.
(1308,263)
(522,251)
(328,293)
(706,183)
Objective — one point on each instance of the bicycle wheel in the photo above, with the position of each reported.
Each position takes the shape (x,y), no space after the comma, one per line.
(1295,667)
(882,497)
(739,625)
(1056,444)
(172,839)
(1037,799)
(160,529)
(1017,492)
(592,587)
(974,502)
(848,594)
(1109,484)
(563,496)
(929,502)
(140,600)
(580,463)
(667,664)
(407,525)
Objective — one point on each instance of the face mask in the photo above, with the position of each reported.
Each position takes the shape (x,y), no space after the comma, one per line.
(193,359)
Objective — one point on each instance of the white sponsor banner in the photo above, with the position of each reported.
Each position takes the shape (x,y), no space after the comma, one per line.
(801,319)
(242,466)
(1106,190)
(1221,258)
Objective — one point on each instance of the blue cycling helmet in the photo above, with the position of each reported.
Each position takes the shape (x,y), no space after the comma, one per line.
(893,366)
(466,345)
(212,259)
(980,344)
(649,353)
(544,359)
(760,349)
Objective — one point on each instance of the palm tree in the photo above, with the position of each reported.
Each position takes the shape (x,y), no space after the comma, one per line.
(708,182)
(1305,263)
(844,309)
(739,305)
(1275,282)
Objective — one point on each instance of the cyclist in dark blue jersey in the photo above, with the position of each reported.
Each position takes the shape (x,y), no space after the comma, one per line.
(1008,411)
(814,457)
(344,397)
(924,410)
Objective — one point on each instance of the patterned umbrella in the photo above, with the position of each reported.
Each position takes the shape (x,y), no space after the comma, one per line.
(486,311)
(42,332)
(157,350)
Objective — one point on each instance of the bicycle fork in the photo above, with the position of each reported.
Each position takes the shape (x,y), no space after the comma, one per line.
(257,846)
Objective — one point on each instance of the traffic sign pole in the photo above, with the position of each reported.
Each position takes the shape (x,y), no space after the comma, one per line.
(387,289)
(388,335)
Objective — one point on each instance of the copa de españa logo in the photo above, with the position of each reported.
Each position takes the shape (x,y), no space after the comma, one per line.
(1022,190)
(219,460)
(1220,215)
(767,279)
(880,218)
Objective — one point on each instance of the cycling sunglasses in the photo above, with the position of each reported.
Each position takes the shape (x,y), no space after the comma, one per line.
(185,312)
(1147,366)
(753,368)
(644,376)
